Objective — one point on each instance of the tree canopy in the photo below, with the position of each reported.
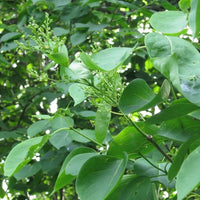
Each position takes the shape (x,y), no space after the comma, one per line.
(99,99)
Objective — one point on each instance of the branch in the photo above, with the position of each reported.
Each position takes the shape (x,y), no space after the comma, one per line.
(149,138)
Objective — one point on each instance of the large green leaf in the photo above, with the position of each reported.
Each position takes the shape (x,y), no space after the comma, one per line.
(60,139)
(63,178)
(77,93)
(22,153)
(111,58)
(194,21)
(60,56)
(175,57)
(177,109)
(78,38)
(129,140)
(133,187)
(169,21)
(80,71)
(27,171)
(186,147)
(38,127)
(98,176)
(74,165)
(108,59)
(102,120)
(61,122)
(180,129)
(189,175)
(139,96)
(87,60)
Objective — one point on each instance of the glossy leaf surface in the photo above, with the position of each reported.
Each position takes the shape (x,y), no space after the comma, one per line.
(102,120)
(174,58)
(63,178)
(98,176)
(129,140)
(194,17)
(189,175)
(133,187)
(169,21)
(139,96)
(22,153)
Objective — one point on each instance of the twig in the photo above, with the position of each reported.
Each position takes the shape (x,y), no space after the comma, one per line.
(149,138)
(152,163)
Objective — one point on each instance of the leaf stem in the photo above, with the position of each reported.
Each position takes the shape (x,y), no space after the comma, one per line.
(89,138)
(85,136)
(138,48)
(149,138)
(152,164)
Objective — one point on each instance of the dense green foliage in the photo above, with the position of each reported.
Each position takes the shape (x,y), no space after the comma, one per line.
(124,78)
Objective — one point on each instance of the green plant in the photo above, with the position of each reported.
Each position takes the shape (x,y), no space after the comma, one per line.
(114,152)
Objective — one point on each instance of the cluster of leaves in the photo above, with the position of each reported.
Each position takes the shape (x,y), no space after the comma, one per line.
(98,144)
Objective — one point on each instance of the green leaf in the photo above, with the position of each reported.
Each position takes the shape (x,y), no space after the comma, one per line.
(108,59)
(169,21)
(27,171)
(8,134)
(180,129)
(184,4)
(77,93)
(22,153)
(133,187)
(61,122)
(194,21)
(178,160)
(102,120)
(78,138)
(60,139)
(177,109)
(38,127)
(64,179)
(143,168)
(167,5)
(111,58)
(74,165)
(60,56)
(58,31)
(80,71)
(78,38)
(139,96)
(189,175)
(174,58)
(129,140)
(87,60)
(10,36)
(98,176)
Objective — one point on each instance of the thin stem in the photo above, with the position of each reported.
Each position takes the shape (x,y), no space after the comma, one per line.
(152,163)
(138,48)
(85,136)
(136,126)
(149,138)
(116,113)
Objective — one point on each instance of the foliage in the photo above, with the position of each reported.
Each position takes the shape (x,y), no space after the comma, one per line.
(124,76)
